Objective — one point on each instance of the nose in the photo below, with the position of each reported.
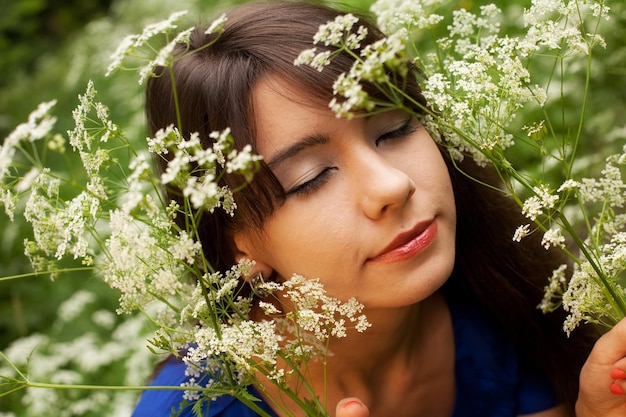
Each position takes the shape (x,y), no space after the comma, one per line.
(384,187)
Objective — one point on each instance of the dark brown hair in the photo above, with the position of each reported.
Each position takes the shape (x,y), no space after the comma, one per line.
(214,88)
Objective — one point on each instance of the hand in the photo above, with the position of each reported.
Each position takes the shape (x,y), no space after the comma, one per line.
(351,407)
(603,377)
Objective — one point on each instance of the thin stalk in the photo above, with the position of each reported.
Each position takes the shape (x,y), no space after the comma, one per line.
(37,273)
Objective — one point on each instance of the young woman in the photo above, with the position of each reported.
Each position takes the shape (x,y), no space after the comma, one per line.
(373,207)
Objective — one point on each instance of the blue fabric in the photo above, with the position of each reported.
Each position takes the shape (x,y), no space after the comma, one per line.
(492,378)
(168,403)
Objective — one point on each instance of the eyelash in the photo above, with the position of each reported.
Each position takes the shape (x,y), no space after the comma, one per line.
(404,130)
(307,187)
(311,185)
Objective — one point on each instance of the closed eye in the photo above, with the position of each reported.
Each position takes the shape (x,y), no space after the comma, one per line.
(406,128)
(312,184)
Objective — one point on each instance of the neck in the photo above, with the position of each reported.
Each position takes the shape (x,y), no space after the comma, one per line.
(385,364)
(398,338)
(394,335)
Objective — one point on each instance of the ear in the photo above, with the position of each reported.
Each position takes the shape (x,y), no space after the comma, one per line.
(245,249)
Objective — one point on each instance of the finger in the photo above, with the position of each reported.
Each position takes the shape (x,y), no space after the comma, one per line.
(619,369)
(351,407)
(611,347)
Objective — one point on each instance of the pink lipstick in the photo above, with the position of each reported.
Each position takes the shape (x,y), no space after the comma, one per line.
(408,244)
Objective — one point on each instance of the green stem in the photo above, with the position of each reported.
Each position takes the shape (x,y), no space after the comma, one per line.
(617,303)
(179,119)
(38,273)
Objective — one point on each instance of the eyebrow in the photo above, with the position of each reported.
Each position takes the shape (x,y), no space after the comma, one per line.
(302,144)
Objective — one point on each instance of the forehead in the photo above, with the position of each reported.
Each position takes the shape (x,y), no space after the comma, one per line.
(283,111)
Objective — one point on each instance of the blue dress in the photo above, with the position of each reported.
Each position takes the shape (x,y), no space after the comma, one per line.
(492,378)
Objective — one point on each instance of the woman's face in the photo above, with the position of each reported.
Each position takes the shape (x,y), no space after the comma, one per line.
(369,208)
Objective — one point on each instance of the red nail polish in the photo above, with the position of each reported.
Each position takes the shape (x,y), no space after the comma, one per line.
(617,374)
(616,389)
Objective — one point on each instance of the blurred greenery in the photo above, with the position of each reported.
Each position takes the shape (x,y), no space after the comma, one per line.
(50,49)
(32,33)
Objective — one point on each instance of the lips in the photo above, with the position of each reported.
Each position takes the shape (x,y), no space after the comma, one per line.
(408,244)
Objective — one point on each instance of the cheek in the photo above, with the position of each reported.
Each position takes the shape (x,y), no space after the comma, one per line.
(309,239)
(431,170)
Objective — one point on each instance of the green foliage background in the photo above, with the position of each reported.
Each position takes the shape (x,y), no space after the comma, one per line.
(49,50)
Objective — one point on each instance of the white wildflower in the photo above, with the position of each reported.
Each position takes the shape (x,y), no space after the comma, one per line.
(202,191)
(269,308)
(392,14)
(163,139)
(546,30)
(39,124)
(133,42)
(521,232)
(318,313)
(9,201)
(583,300)
(569,184)
(353,41)
(335,32)
(180,163)
(306,57)
(164,56)
(315,60)
(217,25)
(540,203)
(137,264)
(184,248)
(609,188)
(553,237)
(80,139)
(93,161)
(223,142)
(554,290)
(242,161)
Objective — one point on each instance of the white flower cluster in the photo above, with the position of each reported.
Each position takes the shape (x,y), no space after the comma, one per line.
(477,84)
(141,262)
(319,313)
(372,63)
(39,124)
(297,335)
(393,14)
(60,228)
(553,292)
(82,137)
(132,44)
(193,168)
(339,34)
(164,57)
(541,203)
(557,24)
(594,292)
(586,299)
